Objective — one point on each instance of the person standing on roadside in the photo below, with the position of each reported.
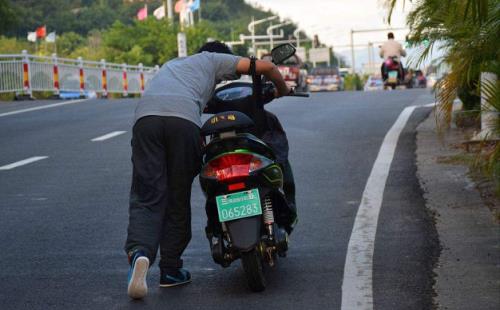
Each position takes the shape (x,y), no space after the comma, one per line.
(166,157)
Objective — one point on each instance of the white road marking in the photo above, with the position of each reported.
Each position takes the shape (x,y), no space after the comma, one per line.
(23,162)
(108,136)
(357,286)
(48,106)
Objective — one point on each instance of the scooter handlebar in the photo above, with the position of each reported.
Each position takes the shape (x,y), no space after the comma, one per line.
(268,93)
(298,94)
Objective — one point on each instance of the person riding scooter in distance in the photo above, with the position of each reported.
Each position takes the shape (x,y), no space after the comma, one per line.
(389,49)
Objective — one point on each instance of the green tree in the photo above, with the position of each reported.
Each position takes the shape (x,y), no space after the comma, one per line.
(79,16)
(467,31)
(221,19)
(8,19)
(68,42)
(151,41)
(14,46)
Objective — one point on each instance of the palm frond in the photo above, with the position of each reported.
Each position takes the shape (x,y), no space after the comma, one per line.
(468,32)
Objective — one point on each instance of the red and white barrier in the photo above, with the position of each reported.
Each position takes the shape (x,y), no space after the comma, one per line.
(82,76)
(104,81)
(141,73)
(55,74)
(125,80)
(24,73)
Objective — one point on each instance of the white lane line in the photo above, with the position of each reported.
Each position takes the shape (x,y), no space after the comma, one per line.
(108,136)
(48,106)
(23,162)
(357,291)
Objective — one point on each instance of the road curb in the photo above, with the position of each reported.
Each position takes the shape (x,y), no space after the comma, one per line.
(467,273)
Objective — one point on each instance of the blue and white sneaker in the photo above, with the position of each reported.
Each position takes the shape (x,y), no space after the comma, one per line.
(174,277)
(137,286)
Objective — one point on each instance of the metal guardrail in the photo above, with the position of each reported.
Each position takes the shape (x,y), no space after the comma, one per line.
(25,73)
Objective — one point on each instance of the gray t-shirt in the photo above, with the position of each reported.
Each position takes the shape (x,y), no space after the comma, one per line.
(183,86)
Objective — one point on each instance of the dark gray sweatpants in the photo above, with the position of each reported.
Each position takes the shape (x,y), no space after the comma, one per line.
(166,156)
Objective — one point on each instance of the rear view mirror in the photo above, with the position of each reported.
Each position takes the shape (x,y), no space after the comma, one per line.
(282,52)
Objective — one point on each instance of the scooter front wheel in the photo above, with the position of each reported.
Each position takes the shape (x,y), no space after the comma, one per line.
(252,265)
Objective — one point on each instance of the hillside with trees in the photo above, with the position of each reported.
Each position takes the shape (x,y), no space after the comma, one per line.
(95,29)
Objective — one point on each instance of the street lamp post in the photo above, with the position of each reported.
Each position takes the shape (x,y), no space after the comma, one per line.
(271,28)
(352,52)
(296,34)
(251,28)
(168,6)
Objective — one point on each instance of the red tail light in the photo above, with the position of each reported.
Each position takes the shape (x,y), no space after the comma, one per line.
(232,166)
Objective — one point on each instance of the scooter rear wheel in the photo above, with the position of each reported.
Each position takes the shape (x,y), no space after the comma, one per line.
(252,265)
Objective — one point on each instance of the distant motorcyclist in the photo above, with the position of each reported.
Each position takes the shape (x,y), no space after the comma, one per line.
(389,49)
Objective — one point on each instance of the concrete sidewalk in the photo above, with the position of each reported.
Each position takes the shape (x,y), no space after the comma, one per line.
(468,269)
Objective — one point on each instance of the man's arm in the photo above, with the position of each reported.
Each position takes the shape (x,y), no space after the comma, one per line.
(402,52)
(381,51)
(269,70)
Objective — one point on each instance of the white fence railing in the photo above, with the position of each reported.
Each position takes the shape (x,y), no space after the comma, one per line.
(25,73)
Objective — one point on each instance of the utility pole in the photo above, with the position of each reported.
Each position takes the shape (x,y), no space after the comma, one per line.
(254,52)
(199,12)
(170,12)
(353,64)
(296,34)
(371,56)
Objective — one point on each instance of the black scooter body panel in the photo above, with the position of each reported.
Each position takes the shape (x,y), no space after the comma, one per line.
(245,233)
(240,141)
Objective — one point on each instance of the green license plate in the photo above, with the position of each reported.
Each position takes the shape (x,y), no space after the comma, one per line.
(393,76)
(238,205)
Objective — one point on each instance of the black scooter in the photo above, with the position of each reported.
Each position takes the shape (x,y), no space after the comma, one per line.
(246,206)
(392,73)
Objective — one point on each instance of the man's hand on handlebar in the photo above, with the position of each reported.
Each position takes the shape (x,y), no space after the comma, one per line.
(277,94)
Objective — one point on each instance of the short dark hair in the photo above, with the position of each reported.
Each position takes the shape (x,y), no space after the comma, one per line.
(215,47)
(390,35)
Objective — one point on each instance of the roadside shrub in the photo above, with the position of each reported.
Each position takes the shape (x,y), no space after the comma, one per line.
(353,82)
(7,96)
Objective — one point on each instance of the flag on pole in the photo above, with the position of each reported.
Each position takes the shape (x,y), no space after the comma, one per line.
(41,32)
(51,37)
(194,5)
(32,36)
(159,13)
(142,14)
(179,6)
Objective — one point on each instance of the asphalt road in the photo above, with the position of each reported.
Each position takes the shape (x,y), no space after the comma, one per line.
(63,218)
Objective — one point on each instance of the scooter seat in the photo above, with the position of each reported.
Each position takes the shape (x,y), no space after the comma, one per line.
(226,121)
